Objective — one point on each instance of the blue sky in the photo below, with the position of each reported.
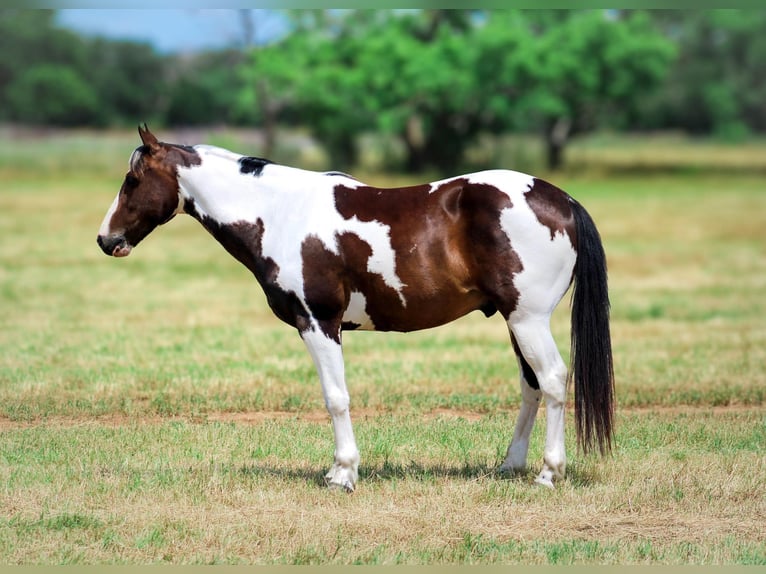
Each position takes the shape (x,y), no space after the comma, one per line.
(173,30)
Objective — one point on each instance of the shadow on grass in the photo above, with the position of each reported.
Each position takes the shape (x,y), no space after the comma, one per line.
(578,477)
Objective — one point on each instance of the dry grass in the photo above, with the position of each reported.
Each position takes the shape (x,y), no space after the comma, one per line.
(195,492)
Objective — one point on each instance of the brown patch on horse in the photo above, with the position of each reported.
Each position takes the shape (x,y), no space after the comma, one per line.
(552,208)
(324,285)
(452,255)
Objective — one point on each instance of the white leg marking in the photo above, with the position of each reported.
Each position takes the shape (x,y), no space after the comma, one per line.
(539,349)
(516,456)
(328,358)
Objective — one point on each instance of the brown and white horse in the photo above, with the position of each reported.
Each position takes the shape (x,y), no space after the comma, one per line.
(334,254)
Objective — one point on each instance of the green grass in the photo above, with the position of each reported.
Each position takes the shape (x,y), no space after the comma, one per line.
(152,410)
(180,491)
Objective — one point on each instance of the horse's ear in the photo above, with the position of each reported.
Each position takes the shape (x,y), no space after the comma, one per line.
(148,139)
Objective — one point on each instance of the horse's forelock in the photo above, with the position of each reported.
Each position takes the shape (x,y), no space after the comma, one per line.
(135,159)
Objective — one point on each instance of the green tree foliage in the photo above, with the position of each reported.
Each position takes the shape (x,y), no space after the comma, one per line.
(434,80)
(53,95)
(437,79)
(129,78)
(29,39)
(271,78)
(595,67)
(203,90)
(717,83)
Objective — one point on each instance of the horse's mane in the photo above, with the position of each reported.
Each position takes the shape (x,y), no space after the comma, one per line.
(176,152)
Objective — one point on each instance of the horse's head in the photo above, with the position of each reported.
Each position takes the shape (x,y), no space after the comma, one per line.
(149,195)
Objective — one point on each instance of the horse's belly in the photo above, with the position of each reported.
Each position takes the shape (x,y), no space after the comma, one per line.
(415,314)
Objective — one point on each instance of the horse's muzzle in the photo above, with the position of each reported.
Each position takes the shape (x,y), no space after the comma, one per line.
(115,245)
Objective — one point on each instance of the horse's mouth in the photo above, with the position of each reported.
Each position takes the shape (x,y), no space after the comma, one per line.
(116,246)
(122,250)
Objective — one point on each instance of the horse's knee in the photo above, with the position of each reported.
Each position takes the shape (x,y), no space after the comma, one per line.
(553,384)
(337,402)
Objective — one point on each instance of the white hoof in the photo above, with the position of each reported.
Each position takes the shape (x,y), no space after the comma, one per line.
(544,480)
(341,478)
(549,474)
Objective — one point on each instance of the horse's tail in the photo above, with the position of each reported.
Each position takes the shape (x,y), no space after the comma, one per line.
(591,353)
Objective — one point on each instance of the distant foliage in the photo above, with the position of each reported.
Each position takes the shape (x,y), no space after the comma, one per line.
(437,79)
(717,83)
(58,94)
(432,80)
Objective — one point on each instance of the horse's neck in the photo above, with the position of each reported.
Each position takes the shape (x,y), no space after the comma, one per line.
(219,191)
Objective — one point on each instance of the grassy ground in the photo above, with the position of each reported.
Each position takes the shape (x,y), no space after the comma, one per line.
(153,410)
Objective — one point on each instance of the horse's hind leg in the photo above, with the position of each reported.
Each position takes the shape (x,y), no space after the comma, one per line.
(516,457)
(535,341)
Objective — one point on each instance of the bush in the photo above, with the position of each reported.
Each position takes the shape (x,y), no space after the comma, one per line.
(54,95)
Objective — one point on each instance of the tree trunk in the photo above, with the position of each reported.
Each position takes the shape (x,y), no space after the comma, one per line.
(414,141)
(554,154)
(556,137)
(269,112)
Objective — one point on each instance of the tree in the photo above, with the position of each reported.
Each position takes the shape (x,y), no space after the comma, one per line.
(593,68)
(49,74)
(28,38)
(130,79)
(438,79)
(419,79)
(270,78)
(396,73)
(54,95)
(717,84)
(204,90)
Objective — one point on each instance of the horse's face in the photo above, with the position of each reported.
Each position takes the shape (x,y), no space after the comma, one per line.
(149,195)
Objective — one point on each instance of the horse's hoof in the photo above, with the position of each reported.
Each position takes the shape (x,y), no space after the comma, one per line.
(545,478)
(546,482)
(345,486)
(340,478)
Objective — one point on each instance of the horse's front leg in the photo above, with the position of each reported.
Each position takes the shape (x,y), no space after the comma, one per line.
(328,358)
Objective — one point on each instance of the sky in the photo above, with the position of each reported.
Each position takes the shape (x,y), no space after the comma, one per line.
(173,30)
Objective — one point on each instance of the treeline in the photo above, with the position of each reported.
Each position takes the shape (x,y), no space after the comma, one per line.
(434,79)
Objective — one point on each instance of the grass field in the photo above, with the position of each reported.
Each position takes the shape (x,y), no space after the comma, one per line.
(152,410)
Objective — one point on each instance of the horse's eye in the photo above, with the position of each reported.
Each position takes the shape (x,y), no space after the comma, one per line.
(131,180)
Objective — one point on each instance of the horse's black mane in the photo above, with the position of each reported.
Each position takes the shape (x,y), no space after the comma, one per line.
(253,165)
(340,173)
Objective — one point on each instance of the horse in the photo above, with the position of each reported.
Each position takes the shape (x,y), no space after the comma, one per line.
(333,254)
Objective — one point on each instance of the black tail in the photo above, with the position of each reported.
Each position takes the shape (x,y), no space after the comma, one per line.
(591,354)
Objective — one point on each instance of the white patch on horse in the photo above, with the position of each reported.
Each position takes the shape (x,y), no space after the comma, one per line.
(547,263)
(356,312)
(292,203)
(105,230)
